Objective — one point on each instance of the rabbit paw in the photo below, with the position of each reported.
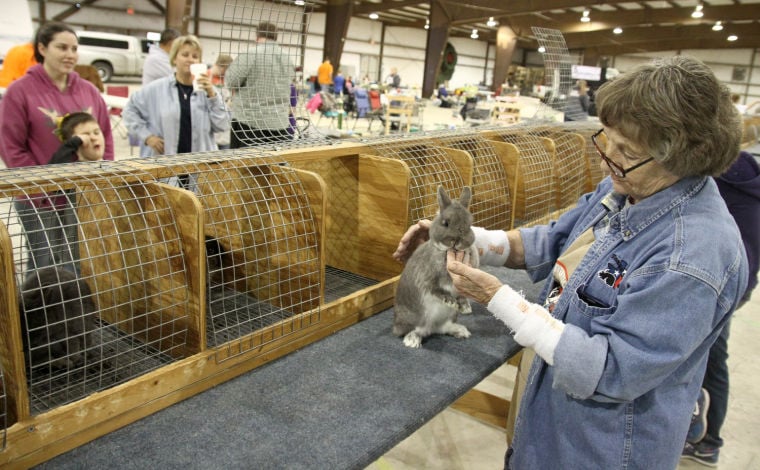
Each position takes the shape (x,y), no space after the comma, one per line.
(450,302)
(412,340)
(456,330)
(463,305)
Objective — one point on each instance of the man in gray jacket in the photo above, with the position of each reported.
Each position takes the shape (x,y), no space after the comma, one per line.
(260,82)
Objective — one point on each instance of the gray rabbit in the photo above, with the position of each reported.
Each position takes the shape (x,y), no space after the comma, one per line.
(58,317)
(426,301)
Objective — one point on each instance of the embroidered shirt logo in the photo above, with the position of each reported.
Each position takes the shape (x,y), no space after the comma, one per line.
(614,273)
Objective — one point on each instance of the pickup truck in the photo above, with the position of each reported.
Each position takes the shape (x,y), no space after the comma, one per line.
(112,54)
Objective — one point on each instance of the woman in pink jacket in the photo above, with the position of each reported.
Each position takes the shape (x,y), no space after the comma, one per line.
(29,114)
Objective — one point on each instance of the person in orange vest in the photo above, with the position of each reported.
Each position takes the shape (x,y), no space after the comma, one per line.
(18,59)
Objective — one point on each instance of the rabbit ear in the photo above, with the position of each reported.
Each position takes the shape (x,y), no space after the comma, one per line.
(464,199)
(444,200)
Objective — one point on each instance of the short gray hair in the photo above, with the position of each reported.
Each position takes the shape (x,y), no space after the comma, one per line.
(677,111)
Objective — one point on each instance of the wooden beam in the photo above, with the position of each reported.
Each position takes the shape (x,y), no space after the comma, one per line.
(438,34)
(338,17)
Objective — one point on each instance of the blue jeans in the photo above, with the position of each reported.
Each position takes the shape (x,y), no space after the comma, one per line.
(51,234)
(716,384)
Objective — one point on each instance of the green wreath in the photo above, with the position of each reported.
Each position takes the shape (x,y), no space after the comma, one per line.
(448,64)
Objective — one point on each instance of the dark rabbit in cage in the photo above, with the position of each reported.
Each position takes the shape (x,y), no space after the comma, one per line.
(220,267)
(58,317)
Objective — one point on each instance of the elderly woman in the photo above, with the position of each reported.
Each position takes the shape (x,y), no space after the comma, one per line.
(642,275)
(169,116)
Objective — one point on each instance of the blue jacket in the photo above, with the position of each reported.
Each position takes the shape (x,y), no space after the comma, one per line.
(154,110)
(641,311)
(740,188)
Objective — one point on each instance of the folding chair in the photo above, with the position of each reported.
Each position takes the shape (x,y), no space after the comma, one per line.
(364,107)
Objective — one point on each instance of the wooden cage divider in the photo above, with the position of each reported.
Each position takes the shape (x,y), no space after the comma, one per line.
(364,194)
(11,345)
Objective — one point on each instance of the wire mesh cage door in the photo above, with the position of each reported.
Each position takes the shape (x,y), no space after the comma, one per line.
(430,165)
(535,192)
(491,199)
(102,296)
(263,258)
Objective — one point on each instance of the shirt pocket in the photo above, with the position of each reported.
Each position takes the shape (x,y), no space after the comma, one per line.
(596,297)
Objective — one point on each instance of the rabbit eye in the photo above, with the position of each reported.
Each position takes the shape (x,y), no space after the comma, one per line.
(445,222)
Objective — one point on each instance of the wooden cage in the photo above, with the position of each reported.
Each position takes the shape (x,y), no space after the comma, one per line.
(205,266)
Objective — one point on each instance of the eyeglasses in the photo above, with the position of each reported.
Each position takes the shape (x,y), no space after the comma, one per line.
(616,169)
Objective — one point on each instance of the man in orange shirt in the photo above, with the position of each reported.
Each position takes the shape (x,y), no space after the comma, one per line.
(18,59)
(324,75)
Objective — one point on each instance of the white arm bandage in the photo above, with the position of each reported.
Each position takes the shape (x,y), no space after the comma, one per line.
(492,245)
(533,326)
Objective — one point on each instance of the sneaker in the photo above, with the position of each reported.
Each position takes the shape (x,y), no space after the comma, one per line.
(698,427)
(701,453)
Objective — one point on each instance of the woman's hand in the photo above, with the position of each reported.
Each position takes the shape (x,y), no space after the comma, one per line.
(470,282)
(415,236)
(156,143)
(204,81)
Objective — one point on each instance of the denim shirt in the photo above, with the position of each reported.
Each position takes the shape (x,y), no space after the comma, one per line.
(641,311)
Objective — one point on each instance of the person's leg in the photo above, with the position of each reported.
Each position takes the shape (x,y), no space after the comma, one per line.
(521,378)
(715,381)
(35,222)
(240,135)
(716,384)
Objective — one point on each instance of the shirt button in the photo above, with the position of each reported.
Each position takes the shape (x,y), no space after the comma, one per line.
(627,233)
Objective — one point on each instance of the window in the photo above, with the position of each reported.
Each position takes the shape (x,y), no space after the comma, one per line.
(102,42)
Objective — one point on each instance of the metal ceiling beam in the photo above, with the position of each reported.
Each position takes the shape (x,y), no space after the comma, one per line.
(72,9)
(700,34)
(570,22)
(366,8)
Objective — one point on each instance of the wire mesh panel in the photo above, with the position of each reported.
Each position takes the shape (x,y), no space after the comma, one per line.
(557,74)
(262,256)
(266,39)
(587,129)
(430,166)
(98,260)
(491,199)
(535,190)
(570,164)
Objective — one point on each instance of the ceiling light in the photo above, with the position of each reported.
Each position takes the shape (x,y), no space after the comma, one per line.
(373,16)
(697,12)
(491,22)
(541,49)
(618,30)
(733,37)
(300,3)
(474,34)
(585,18)
(718,26)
